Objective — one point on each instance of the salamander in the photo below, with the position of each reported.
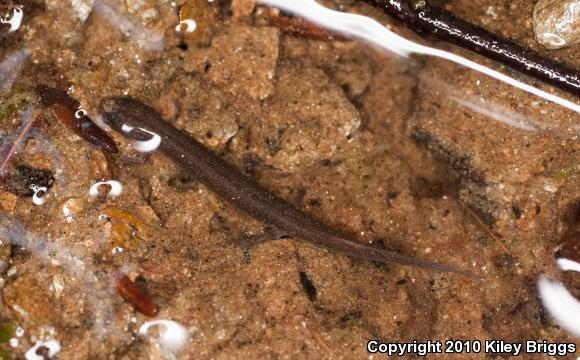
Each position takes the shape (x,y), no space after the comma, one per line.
(138,121)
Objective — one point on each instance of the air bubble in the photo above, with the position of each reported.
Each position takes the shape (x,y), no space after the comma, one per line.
(50,347)
(116,188)
(38,197)
(143,146)
(80,113)
(172,339)
(15,21)
(186,26)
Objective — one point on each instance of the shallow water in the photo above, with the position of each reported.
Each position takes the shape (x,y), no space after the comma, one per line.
(415,154)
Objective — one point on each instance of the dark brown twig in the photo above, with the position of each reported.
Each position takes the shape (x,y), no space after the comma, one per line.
(424,19)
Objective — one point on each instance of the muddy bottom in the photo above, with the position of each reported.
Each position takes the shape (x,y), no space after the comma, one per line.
(392,151)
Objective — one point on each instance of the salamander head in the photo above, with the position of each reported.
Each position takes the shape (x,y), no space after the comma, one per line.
(110,109)
(131,118)
(119,111)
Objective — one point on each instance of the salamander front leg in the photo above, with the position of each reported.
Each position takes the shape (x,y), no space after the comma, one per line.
(268,234)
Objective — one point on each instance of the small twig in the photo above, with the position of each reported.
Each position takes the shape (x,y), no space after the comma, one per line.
(315,335)
(484,227)
(8,151)
(423,19)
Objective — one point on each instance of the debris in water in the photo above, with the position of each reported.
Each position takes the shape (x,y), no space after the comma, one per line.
(99,166)
(135,295)
(69,259)
(72,207)
(126,217)
(7,331)
(28,181)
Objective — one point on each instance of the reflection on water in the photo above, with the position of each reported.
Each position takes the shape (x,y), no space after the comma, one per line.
(10,68)
(70,259)
(558,300)
(147,39)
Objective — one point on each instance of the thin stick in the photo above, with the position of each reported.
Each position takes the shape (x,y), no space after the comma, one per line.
(424,19)
(20,137)
(484,226)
